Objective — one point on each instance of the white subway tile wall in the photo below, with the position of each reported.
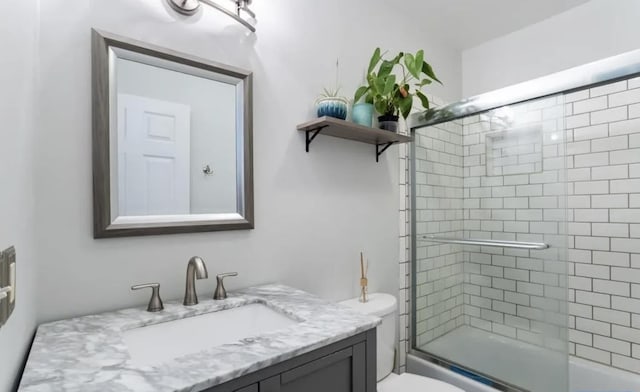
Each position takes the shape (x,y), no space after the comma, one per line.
(439,211)
(520,293)
(604,279)
(405,206)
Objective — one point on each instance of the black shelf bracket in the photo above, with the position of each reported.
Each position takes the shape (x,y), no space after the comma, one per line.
(312,133)
(379,151)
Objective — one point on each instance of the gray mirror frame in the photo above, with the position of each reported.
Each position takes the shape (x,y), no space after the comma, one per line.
(102,223)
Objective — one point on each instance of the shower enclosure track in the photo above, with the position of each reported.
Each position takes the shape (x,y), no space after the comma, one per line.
(498,244)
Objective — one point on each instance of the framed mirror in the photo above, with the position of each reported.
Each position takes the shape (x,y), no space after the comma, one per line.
(172,141)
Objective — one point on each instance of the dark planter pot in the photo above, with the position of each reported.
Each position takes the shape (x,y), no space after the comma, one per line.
(388,123)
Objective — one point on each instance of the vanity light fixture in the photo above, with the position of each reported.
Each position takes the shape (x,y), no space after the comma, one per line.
(242,14)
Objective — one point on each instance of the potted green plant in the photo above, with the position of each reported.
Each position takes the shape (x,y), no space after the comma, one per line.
(330,103)
(391,94)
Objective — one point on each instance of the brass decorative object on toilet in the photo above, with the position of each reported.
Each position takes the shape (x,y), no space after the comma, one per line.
(363,278)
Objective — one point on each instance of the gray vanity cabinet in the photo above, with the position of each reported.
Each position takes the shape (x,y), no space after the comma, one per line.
(345,366)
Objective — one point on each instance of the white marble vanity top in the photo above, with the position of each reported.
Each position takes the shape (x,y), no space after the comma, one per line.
(89,354)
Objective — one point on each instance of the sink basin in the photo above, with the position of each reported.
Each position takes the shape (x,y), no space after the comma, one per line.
(155,344)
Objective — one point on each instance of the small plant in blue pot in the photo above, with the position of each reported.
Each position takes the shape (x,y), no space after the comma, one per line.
(332,105)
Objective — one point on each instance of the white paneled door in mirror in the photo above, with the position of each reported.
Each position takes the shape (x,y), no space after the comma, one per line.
(153,153)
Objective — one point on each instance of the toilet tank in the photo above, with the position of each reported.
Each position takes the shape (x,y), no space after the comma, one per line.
(384,306)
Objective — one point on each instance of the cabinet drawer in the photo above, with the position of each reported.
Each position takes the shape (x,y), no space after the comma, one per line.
(250,388)
(341,371)
(316,366)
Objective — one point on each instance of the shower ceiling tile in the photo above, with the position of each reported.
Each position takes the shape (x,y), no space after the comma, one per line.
(634,110)
(589,105)
(593,354)
(591,132)
(624,98)
(626,363)
(609,88)
(612,316)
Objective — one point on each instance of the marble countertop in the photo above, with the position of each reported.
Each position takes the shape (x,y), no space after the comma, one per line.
(89,354)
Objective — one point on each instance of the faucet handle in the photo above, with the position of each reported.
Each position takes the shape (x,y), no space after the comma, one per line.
(221,292)
(155,303)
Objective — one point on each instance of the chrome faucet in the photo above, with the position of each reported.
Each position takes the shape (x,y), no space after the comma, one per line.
(195,269)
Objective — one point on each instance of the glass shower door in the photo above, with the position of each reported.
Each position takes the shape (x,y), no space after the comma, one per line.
(495,311)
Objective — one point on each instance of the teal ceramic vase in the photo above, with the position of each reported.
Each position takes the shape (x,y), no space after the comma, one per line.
(362,114)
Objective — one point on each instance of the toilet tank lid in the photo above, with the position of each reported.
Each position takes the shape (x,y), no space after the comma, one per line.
(378,304)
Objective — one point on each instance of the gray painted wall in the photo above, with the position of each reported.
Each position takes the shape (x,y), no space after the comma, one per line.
(314,212)
(18,34)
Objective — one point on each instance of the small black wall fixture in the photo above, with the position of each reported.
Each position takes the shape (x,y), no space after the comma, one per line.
(312,133)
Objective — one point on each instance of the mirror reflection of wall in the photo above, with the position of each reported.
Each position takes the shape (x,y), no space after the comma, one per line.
(171,125)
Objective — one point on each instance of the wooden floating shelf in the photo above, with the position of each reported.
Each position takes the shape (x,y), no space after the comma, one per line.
(347,130)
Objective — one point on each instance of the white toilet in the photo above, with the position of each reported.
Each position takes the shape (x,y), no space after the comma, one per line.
(385,306)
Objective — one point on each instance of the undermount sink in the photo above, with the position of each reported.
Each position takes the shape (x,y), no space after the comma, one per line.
(158,343)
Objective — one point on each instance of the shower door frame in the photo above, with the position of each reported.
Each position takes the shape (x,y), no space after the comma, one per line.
(606,71)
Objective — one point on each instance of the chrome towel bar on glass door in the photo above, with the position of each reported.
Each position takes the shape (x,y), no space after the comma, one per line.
(499,244)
